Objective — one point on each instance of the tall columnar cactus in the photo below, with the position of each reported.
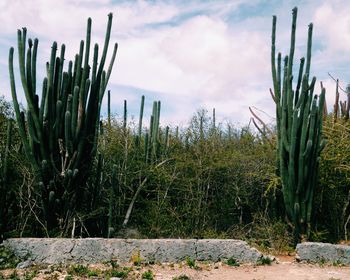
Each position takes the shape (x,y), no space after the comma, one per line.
(299,116)
(4,191)
(139,131)
(59,133)
(152,138)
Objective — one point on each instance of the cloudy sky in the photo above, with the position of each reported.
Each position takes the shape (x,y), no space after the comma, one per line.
(189,54)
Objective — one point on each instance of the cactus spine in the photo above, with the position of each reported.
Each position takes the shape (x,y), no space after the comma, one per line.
(299,115)
(60,135)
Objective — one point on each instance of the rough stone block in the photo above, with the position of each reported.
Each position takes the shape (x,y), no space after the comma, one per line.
(323,252)
(219,249)
(94,250)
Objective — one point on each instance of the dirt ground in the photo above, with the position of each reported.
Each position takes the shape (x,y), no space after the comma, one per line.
(285,268)
(285,271)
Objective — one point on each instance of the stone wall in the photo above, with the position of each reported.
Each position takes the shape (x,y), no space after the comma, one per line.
(94,250)
(323,252)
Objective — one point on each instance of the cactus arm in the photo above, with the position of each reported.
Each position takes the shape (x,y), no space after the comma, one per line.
(29,69)
(300,77)
(273,57)
(110,67)
(94,64)
(309,47)
(74,110)
(20,123)
(106,44)
(60,72)
(140,120)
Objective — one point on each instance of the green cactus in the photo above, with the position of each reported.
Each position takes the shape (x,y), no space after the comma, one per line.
(299,115)
(153,142)
(139,132)
(7,150)
(4,179)
(125,116)
(112,198)
(60,136)
(109,108)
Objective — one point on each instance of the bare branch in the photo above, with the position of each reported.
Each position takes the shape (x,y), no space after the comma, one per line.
(260,120)
(335,80)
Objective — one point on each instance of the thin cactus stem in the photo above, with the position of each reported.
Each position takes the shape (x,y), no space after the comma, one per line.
(125,116)
(109,108)
(141,117)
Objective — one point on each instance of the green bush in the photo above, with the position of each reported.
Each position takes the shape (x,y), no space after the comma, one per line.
(333,195)
(232,262)
(148,275)
(7,259)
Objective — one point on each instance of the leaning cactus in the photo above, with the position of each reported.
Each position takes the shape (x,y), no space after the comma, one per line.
(299,116)
(59,132)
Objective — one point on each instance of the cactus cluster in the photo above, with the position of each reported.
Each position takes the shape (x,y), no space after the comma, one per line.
(60,132)
(299,114)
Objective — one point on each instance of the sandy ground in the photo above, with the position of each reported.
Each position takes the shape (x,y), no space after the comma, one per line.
(285,269)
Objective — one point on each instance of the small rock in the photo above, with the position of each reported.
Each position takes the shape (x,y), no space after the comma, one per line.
(24,264)
(115,278)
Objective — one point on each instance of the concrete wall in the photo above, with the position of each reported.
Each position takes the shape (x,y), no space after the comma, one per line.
(93,250)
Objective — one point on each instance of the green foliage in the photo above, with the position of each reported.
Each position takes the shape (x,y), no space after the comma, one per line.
(232,262)
(222,177)
(4,168)
(333,195)
(136,258)
(272,237)
(7,259)
(119,273)
(64,171)
(148,275)
(78,270)
(264,261)
(29,275)
(191,263)
(14,276)
(93,273)
(299,115)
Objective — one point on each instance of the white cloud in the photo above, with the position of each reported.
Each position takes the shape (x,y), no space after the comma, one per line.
(333,23)
(202,59)
(187,52)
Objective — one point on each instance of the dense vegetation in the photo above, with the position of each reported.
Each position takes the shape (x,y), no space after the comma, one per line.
(207,181)
(130,179)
